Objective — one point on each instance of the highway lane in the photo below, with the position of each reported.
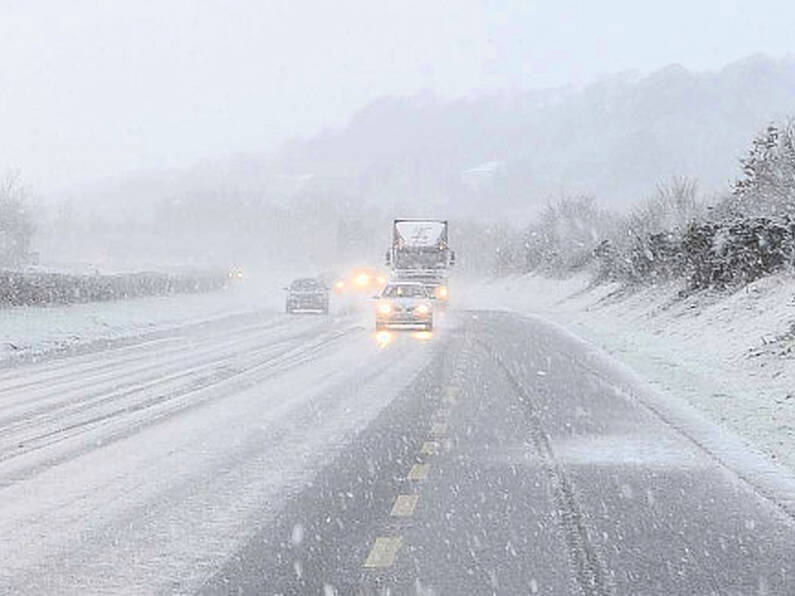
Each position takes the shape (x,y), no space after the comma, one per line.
(267,454)
(141,468)
(514,465)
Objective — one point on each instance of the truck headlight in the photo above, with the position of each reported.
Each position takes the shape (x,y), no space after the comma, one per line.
(441,292)
(423,309)
(385,308)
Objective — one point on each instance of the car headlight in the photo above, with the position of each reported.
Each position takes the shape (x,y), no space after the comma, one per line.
(362,279)
(385,308)
(423,309)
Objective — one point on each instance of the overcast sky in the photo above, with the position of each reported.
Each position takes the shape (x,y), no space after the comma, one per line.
(91,89)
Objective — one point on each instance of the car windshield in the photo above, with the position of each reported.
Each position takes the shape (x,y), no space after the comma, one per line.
(305,285)
(405,291)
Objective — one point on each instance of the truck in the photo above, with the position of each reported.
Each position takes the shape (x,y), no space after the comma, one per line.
(420,252)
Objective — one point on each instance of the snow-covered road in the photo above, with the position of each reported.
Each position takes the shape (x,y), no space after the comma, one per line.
(141,468)
(261,453)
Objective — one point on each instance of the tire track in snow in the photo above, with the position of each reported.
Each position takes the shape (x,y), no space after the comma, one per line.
(586,565)
(66,369)
(155,409)
(81,391)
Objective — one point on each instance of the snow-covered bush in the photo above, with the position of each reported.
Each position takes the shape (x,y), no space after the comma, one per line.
(566,235)
(645,245)
(751,233)
(767,188)
(737,252)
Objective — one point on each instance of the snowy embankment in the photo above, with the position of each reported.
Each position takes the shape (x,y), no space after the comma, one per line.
(731,355)
(35,330)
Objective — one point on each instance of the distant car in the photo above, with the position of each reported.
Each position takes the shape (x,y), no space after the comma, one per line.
(307,295)
(361,282)
(404,305)
(236,273)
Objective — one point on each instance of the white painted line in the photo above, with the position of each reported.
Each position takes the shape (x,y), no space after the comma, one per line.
(438,429)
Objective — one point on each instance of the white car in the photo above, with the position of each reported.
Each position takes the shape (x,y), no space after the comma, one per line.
(404,305)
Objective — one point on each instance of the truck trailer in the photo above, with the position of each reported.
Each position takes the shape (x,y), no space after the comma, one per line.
(420,252)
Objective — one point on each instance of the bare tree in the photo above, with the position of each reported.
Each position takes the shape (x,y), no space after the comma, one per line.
(16,221)
(566,234)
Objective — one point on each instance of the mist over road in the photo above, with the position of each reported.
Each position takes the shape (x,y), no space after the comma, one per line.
(264,453)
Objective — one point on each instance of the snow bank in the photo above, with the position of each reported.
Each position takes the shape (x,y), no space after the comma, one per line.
(732,356)
(35,330)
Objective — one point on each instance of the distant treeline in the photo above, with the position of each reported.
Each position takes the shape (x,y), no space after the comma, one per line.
(39,288)
(746,234)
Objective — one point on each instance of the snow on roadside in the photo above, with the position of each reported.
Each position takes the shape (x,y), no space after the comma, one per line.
(27,331)
(732,356)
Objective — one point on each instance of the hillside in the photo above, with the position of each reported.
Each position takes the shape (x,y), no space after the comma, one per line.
(615,138)
(488,158)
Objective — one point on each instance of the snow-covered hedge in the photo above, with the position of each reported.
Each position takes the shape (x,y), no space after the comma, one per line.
(748,234)
(647,259)
(709,254)
(37,288)
(735,253)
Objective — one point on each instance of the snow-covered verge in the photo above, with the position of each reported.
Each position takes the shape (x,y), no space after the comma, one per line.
(36,330)
(731,355)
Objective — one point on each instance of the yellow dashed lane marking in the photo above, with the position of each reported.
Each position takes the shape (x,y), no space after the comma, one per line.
(443,413)
(429,448)
(404,505)
(419,472)
(384,551)
(438,429)
(452,394)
